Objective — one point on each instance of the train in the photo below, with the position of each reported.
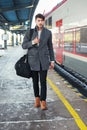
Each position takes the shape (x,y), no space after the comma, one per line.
(68,23)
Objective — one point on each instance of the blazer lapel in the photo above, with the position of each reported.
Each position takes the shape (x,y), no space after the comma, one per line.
(35,34)
(42,37)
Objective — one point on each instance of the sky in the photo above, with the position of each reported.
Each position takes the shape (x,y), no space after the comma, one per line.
(44,5)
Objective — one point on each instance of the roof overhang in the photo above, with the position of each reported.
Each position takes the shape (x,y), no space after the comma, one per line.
(17,12)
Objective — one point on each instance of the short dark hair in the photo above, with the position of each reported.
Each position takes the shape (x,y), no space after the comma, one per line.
(40,16)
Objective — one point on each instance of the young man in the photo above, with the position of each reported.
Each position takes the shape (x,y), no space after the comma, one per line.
(40,57)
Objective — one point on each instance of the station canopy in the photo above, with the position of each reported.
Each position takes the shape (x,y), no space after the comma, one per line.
(17,14)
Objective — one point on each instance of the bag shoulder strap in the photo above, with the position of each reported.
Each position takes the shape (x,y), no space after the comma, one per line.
(29,34)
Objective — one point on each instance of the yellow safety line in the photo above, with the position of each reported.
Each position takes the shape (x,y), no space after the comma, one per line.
(74,114)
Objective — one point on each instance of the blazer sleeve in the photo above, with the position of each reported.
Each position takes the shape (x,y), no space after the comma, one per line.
(27,43)
(50,48)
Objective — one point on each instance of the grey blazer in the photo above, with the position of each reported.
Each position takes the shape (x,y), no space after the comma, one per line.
(42,54)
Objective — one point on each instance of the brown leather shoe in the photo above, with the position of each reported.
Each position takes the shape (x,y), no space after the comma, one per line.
(43,105)
(37,102)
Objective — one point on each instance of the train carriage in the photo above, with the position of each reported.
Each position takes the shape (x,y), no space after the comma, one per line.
(68,23)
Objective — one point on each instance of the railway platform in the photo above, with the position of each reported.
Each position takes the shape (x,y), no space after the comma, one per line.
(67,108)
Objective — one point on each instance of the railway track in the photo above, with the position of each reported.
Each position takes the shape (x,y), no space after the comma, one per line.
(73,78)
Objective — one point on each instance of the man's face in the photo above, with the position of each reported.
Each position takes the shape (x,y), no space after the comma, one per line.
(39,22)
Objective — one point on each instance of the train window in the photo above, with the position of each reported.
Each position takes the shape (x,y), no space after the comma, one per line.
(50,21)
(81,41)
(68,41)
(46,23)
(55,36)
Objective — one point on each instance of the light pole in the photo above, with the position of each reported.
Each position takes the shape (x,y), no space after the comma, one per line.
(5,36)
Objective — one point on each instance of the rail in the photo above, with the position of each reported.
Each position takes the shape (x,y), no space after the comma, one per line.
(75,81)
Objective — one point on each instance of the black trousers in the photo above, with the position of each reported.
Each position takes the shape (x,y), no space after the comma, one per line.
(40,77)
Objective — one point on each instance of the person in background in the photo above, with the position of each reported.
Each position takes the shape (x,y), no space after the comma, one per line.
(40,57)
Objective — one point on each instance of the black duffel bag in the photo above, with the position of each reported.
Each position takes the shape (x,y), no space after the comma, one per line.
(22,67)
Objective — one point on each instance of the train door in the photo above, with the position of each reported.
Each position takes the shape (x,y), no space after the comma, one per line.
(59,49)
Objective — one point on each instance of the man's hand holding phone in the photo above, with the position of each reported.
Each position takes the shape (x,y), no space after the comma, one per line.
(36,41)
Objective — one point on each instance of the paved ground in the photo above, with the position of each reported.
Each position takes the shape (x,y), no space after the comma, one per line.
(16,97)
(17,110)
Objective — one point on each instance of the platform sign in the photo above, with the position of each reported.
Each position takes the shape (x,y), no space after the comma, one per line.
(5,37)
(59,23)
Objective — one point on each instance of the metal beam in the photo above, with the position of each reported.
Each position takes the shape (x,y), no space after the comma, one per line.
(3,19)
(16,12)
(14,8)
